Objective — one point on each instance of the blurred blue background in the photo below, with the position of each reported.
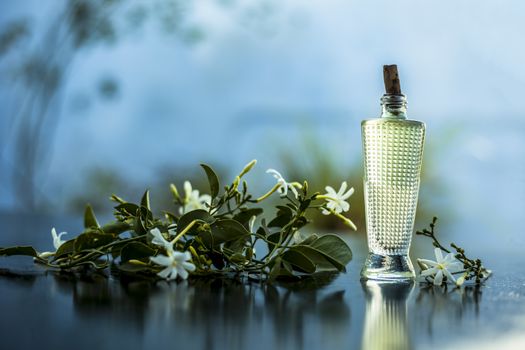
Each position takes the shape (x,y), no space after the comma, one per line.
(113,96)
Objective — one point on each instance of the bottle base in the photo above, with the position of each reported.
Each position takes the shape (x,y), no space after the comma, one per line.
(394,268)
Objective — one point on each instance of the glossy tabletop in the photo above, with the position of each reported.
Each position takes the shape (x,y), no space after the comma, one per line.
(52,310)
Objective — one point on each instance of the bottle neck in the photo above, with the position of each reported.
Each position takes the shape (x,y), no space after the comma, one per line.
(394,106)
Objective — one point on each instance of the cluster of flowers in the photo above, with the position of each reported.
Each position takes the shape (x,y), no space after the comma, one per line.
(444,269)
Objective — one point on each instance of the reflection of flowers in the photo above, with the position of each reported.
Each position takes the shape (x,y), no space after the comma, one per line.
(57,242)
(336,201)
(193,200)
(442,266)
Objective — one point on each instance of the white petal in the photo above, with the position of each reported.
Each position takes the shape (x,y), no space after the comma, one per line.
(182,273)
(439,254)
(173,273)
(344,206)
(348,194)
(159,239)
(325,212)
(330,192)
(205,198)
(429,272)
(428,262)
(54,233)
(57,242)
(275,173)
(337,208)
(188,266)
(187,188)
(438,279)
(187,256)
(251,222)
(180,256)
(454,266)
(162,260)
(165,272)
(342,190)
(450,278)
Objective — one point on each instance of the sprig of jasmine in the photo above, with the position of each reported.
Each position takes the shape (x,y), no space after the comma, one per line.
(454,263)
(208,234)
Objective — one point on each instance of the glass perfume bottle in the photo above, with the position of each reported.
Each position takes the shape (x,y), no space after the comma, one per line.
(393,151)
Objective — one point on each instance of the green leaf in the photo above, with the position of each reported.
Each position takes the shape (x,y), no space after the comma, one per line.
(284,216)
(115,228)
(198,214)
(334,249)
(20,250)
(299,261)
(212,179)
(145,200)
(68,247)
(280,269)
(226,230)
(273,239)
(236,246)
(320,261)
(92,240)
(90,219)
(245,215)
(327,248)
(237,258)
(144,221)
(127,209)
(137,251)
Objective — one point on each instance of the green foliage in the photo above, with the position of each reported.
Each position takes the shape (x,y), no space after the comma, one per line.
(213,180)
(20,250)
(89,218)
(218,232)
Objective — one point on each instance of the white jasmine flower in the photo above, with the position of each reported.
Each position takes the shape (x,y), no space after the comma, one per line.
(159,240)
(283,190)
(57,242)
(193,200)
(57,239)
(176,264)
(442,266)
(336,201)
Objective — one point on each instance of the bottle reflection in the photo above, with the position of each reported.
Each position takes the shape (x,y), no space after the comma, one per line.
(386,325)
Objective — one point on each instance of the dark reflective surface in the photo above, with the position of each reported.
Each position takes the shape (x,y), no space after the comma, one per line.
(59,310)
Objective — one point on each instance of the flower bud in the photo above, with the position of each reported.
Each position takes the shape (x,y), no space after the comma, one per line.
(174,191)
(247,168)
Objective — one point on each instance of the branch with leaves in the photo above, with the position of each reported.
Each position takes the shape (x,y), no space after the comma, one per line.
(442,270)
(208,234)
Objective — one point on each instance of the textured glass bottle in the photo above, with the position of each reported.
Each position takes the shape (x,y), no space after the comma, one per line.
(393,150)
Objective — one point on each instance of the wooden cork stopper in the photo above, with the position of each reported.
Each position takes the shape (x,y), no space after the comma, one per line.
(391,77)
